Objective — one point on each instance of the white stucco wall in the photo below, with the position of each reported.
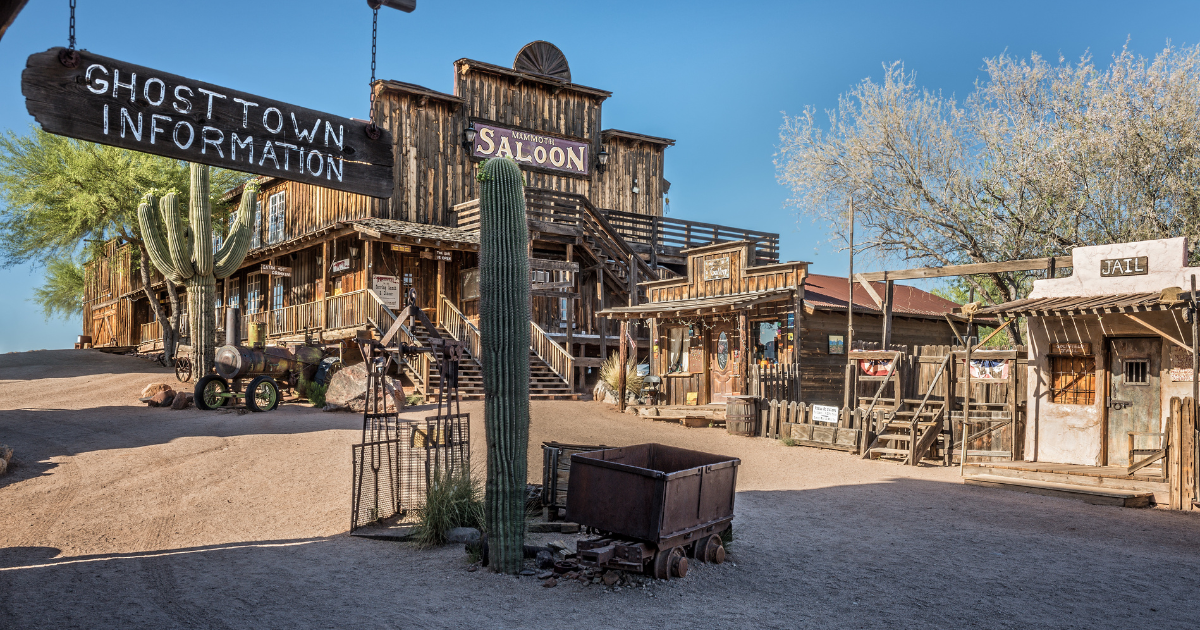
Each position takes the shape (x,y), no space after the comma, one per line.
(1167,268)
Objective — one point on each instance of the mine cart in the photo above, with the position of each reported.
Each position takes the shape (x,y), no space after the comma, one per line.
(654,506)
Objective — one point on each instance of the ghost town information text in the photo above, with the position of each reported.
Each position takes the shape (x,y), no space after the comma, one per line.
(112,102)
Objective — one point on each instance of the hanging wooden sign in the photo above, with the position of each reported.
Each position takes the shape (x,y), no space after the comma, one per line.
(443,255)
(402,248)
(273,270)
(83,95)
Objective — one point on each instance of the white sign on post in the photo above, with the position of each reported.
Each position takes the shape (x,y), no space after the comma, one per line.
(824,413)
(388,290)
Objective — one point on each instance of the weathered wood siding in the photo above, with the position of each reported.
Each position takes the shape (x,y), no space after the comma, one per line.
(630,159)
(743,278)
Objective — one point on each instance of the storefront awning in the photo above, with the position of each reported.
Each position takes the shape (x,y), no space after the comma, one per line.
(697,307)
(1089,305)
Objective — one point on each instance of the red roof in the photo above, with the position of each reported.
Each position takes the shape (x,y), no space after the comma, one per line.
(830,292)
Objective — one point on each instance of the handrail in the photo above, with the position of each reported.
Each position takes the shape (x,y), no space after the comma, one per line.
(560,361)
(460,327)
(150,332)
(420,363)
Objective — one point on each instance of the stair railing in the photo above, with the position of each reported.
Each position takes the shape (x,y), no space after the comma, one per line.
(460,327)
(383,317)
(560,361)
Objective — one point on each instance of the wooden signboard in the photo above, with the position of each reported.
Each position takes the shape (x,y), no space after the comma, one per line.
(272,270)
(716,268)
(1132,266)
(83,95)
(444,256)
(542,264)
(405,249)
(1082,348)
(530,148)
(340,266)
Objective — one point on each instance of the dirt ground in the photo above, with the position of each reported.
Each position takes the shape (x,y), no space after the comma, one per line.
(121,516)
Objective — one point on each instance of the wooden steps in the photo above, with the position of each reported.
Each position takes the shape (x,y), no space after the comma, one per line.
(1096,495)
(909,434)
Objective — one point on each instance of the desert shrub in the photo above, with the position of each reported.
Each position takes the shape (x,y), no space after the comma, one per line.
(452,500)
(610,373)
(312,392)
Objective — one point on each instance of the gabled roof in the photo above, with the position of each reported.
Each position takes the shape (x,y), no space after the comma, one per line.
(830,292)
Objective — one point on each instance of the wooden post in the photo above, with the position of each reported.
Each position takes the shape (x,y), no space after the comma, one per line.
(1012,406)
(744,348)
(887,315)
(571,303)
(324,284)
(1192,454)
(624,358)
(603,323)
(441,289)
(849,397)
(962,458)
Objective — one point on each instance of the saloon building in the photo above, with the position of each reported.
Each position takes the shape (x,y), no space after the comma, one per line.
(331,263)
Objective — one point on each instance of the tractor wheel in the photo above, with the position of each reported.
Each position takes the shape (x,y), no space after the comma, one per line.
(208,392)
(262,394)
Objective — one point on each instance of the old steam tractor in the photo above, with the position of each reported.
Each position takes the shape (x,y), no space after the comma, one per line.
(266,368)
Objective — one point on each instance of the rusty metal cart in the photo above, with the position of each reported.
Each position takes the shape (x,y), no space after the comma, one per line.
(653,506)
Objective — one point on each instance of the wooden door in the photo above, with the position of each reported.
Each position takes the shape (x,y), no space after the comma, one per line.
(1134,394)
(724,373)
(104,326)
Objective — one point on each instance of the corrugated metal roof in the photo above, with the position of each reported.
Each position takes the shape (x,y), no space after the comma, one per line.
(1086,305)
(831,291)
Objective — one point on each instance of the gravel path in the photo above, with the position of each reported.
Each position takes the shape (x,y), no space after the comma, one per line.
(122,516)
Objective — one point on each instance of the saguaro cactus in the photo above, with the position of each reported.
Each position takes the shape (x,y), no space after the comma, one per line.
(184,254)
(504,319)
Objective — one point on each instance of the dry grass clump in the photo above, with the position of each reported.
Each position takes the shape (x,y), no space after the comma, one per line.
(610,373)
(452,500)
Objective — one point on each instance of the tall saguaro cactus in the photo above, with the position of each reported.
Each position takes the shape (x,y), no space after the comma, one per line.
(184,254)
(504,319)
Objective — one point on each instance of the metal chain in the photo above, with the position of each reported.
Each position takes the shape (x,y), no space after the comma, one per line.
(71,38)
(374,36)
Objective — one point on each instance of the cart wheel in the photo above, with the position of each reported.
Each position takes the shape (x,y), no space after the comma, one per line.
(670,562)
(183,369)
(207,393)
(262,394)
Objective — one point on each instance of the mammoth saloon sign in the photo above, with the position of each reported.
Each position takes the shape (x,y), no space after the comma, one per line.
(89,97)
(532,149)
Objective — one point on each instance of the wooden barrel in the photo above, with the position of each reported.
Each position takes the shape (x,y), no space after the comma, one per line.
(741,416)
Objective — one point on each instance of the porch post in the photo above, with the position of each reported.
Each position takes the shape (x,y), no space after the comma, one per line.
(324,283)
(624,358)
(887,316)
(603,323)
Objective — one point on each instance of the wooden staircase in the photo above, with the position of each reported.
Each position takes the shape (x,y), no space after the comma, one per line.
(910,432)
(544,384)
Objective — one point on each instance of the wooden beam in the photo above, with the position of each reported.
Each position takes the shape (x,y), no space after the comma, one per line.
(870,289)
(1160,332)
(888,299)
(949,271)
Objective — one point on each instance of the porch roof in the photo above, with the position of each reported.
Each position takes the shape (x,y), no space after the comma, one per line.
(697,306)
(1089,305)
(418,232)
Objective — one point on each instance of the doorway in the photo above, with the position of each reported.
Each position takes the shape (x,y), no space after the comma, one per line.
(725,378)
(1134,394)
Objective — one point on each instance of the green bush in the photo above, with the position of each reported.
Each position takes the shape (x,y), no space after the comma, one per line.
(610,373)
(452,500)
(312,392)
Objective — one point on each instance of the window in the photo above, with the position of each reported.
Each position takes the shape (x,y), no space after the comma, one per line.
(679,345)
(234,297)
(275,212)
(254,294)
(256,240)
(277,294)
(1137,372)
(1073,380)
(770,342)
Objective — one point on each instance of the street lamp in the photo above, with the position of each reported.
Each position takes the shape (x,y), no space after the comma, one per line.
(602,159)
(469,135)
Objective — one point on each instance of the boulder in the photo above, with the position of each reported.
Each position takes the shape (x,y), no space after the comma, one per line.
(182,400)
(602,392)
(162,399)
(153,388)
(468,535)
(6,452)
(3,466)
(348,389)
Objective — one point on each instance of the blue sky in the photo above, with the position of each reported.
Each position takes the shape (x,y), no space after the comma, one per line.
(714,76)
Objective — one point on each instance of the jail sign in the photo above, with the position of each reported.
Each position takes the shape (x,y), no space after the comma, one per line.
(1132,266)
(82,95)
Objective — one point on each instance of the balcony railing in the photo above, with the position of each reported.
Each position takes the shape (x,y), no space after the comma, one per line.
(668,235)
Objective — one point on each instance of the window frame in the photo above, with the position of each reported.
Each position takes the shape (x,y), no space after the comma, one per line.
(276,211)
(1125,363)
(1075,391)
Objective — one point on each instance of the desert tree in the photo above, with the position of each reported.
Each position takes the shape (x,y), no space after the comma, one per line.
(64,199)
(1039,158)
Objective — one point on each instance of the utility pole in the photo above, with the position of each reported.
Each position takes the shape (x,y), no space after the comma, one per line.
(849,397)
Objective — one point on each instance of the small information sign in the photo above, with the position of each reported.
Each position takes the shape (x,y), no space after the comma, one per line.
(825,413)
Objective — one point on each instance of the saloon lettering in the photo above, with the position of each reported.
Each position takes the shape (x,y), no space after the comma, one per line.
(541,151)
(112,102)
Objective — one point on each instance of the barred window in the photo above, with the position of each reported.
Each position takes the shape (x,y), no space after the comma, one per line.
(1073,380)
(275,212)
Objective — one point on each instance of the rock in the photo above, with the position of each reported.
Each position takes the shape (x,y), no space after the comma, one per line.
(348,389)
(545,574)
(558,546)
(545,559)
(468,535)
(182,400)
(595,580)
(610,577)
(648,411)
(610,398)
(6,453)
(550,583)
(473,568)
(162,398)
(528,572)
(153,388)
(3,465)
(332,407)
